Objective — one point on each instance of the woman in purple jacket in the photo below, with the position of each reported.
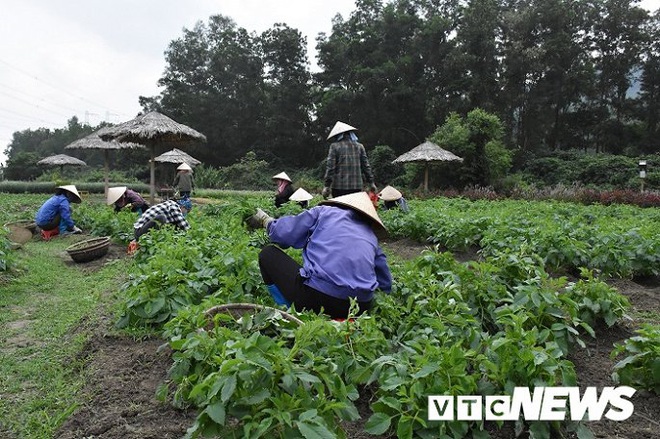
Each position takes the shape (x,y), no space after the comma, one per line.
(341,256)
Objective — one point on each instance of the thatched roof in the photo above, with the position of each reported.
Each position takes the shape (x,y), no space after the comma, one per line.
(61,160)
(177,156)
(427,152)
(93,141)
(153,127)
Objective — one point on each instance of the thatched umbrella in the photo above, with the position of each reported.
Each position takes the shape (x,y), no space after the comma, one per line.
(93,141)
(177,156)
(61,160)
(427,153)
(151,129)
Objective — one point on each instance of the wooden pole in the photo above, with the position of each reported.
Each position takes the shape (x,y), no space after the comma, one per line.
(152,176)
(107,171)
(426,177)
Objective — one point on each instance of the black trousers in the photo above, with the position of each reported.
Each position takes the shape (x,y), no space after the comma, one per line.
(280,269)
(340,192)
(156,222)
(52,224)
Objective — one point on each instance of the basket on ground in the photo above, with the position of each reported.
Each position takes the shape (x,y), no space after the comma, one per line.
(237,310)
(20,232)
(90,249)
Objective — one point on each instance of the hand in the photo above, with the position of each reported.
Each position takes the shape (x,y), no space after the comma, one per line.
(259,219)
(76,230)
(325,192)
(373,188)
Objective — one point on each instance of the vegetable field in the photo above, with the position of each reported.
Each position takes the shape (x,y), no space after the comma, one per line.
(488,296)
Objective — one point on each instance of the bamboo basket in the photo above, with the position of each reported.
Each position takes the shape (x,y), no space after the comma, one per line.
(89,250)
(237,310)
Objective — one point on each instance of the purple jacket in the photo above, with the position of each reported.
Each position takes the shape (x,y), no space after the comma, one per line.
(341,255)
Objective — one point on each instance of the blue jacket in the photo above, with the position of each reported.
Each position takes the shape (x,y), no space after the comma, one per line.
(341,255)
(54,205)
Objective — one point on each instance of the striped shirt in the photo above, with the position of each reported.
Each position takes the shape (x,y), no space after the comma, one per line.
(169,209)
(347,166)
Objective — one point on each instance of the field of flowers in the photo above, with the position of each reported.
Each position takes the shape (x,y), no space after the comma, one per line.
(509,319)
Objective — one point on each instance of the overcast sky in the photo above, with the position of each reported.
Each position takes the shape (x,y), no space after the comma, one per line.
(94,58)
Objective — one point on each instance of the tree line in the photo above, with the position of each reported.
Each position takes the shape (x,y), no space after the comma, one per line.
(558,74)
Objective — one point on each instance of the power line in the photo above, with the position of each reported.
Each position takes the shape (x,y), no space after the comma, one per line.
(38,98)
(67,92)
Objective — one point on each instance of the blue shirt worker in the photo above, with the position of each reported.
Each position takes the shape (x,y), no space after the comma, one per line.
(167,212)
(55,213)
(342,259)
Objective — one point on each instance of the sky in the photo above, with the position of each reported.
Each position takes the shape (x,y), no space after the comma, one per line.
(94,58)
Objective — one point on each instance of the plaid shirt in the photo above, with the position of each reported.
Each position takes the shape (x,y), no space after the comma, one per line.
(169,209)
(347,166)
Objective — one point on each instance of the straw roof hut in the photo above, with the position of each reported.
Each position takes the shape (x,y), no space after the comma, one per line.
(93,141)
(177,156)
(151,129)
(427,153)
(61,160)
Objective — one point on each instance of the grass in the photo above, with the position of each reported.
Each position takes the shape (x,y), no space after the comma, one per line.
(46,313)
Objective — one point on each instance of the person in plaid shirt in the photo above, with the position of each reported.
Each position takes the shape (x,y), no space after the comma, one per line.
(347,168)
(167,212)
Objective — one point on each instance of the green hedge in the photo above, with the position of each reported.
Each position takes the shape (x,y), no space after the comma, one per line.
(42,187)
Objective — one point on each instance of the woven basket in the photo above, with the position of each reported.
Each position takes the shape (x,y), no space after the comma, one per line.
(237,310)
(90,249)
(26,224)
(18,234)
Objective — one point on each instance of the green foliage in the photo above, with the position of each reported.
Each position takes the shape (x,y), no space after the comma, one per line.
(7,257)
(640,367)
(597,300)
(48,187)
(477,139)
(615,239)
(380,159)
(481,327)
(605,171)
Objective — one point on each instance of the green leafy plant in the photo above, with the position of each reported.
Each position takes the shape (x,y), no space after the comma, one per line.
(640,367)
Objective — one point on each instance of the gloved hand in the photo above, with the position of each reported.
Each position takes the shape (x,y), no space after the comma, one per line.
(372,188)
(76,230)
(259,219)
(325,192)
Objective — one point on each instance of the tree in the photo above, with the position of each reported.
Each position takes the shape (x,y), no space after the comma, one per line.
(213,83)
(477,138)
(287,95)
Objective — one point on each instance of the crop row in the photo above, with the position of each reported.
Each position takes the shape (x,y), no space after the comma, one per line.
(482,327)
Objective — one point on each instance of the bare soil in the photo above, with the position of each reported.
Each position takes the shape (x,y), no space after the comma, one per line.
(123,375)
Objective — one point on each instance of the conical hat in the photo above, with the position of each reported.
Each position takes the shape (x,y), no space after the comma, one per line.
(184,167)
(389,194)
(72,189)
(360,202)
(340,127)
(282,176)
(301,195)
(115,193)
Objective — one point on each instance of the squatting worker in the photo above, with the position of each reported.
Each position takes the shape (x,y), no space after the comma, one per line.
(342,259)
(284,188)
(122,196)
(347,167)
(55,214)
(167,212)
